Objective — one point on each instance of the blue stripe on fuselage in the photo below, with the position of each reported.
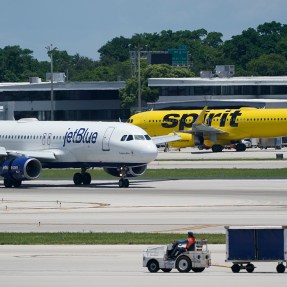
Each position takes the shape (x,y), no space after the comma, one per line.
(87,164)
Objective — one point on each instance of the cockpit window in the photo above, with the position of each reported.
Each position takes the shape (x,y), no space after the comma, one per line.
(147,137)
(139,137)
(123,138)
(130,138)
(135,137)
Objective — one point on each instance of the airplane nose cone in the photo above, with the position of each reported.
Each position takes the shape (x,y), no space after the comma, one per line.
(150,151)
(145,153)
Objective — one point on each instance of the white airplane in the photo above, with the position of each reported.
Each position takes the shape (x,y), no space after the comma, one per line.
(28,145)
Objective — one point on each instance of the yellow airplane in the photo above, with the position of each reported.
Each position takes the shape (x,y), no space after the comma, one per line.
(214,128)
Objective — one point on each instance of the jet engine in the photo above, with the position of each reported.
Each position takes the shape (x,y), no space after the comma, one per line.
(129,172)
(187,140)
(21,168)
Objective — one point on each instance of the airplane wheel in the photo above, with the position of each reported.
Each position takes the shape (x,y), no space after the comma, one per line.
(86,178)
(126,182)
(78,178)
(121,183)
(217,148)
(8,183)
(17,183)
(240,147)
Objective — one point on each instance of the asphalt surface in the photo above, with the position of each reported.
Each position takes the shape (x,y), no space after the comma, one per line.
(151,206)
(148,206)
(118,265)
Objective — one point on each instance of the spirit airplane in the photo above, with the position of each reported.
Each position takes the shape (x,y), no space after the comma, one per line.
(214,128)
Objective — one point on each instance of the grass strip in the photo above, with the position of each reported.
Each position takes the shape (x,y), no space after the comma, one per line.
(188,173)
(91,238)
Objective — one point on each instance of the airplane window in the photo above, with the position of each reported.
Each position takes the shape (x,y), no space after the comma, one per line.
(139,137)
(130,138)
(123,138)
(147,137)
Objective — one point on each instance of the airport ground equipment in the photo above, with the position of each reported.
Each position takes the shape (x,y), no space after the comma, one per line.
(158,258)
(247,244)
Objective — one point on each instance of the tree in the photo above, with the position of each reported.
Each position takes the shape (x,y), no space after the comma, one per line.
(128,94)
(16,63)
(268,65)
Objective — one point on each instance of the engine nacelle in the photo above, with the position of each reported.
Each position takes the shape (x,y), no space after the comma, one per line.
(130,172)
(187,140)
(21,168)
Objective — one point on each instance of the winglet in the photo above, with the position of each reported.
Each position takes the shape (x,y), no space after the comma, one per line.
(200,119)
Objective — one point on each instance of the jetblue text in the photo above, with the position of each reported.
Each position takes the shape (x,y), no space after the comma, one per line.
(81,135)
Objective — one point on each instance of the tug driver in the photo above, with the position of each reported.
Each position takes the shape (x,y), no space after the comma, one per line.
(190,245)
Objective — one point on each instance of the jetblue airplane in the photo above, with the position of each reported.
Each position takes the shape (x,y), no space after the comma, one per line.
(28,145)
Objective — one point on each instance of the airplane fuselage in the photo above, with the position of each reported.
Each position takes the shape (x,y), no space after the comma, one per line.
(234,124)
(72,144)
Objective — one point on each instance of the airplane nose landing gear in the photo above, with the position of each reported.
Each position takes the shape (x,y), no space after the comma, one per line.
(124,182)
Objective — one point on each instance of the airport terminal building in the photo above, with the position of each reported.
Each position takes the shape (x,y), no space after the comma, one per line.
(216,92)
(79,101)
(100,101)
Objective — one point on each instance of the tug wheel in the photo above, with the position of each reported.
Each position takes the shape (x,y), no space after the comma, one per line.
(183,263)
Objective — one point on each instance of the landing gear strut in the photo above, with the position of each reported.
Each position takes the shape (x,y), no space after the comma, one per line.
(123,182)
(82,178)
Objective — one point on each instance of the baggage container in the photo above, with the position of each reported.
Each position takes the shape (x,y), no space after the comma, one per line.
(247,244)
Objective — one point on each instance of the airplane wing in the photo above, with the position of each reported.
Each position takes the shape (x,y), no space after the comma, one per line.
(166,138)
(3,151)
(42,154)
(206,130)
(199,127)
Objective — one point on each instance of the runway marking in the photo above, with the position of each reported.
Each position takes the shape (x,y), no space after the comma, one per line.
(59,205)
(9,205)
(193,227)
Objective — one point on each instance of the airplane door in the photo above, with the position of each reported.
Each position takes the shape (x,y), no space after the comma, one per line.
(49,139)
(106,138)
(46,139)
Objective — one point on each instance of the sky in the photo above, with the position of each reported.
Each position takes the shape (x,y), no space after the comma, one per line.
(84,26)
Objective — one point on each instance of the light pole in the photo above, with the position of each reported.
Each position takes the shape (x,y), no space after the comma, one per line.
(139,80)
(50,51)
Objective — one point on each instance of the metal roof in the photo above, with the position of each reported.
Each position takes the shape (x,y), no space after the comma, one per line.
(215,81)
(44,86)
